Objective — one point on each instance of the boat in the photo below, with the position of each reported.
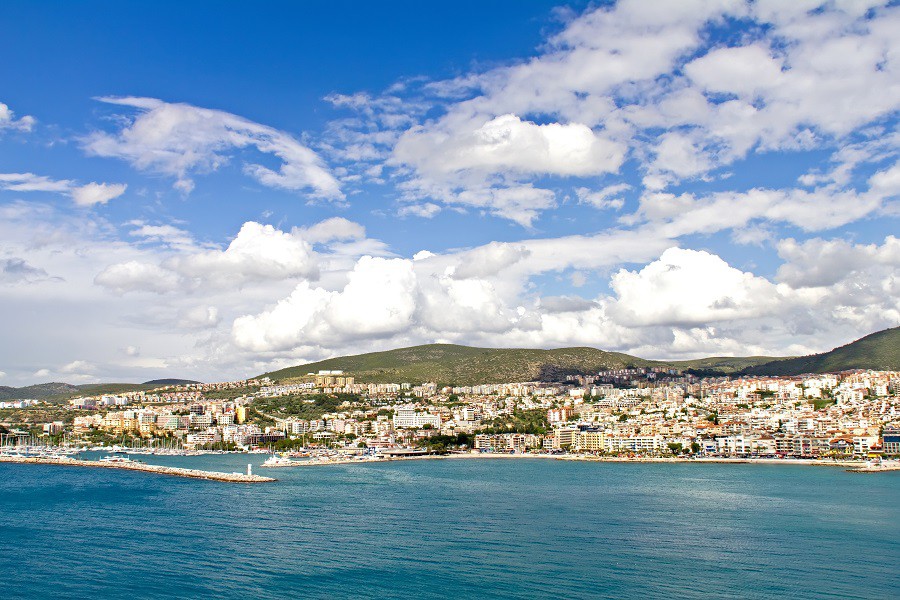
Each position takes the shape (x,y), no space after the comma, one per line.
(278,461)
(116,457)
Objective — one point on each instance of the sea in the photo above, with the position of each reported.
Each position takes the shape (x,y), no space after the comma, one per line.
(456,528)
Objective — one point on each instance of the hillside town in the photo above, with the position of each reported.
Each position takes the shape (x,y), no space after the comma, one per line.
(627,412)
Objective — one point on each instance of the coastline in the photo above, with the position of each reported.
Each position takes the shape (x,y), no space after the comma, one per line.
(136,466)
(850,465)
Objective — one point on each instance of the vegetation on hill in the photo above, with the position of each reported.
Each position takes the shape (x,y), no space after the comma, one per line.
(878,351)
(463,365)
(302,407)
(721,364)
(40,391)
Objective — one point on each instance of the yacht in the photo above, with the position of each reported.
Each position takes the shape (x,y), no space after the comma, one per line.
(116,457)
(278,461)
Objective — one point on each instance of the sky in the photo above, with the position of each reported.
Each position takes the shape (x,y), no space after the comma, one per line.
(213,190)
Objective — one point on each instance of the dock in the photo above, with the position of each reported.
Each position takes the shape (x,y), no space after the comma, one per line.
(138,466)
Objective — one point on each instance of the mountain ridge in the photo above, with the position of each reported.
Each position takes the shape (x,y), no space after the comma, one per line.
(465,365)
(879,351)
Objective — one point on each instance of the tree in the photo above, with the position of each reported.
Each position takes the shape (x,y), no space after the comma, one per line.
(695,447)
(674,447)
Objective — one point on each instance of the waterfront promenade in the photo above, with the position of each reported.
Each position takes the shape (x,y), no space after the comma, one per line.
(137,466)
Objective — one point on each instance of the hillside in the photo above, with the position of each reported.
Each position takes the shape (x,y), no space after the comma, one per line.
(60,392)
(463,365)
(37,392)
(879,351)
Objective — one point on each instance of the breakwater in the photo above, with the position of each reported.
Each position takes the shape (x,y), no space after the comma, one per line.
(137,466)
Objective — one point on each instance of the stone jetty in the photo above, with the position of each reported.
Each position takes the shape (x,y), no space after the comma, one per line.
(138,466)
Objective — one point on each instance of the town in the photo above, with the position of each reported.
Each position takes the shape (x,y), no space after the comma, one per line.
(641,412)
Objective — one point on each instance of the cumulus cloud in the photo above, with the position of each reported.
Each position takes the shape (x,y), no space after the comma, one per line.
(258,252)
(181,140)
(378,301)
(688,287)
(507,143)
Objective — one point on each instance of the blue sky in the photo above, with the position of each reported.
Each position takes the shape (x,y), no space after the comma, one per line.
(209,191)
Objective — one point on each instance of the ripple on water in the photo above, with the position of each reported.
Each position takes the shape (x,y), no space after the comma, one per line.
(433,529)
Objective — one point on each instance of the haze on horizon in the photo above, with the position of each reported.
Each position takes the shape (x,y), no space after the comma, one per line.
(215,193)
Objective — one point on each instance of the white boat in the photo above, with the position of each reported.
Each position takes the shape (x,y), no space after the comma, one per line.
(278,461)
(115,458)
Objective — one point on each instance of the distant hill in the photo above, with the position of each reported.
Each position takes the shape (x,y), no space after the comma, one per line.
(878,351)
(60,392)
(463,365)
(36,392)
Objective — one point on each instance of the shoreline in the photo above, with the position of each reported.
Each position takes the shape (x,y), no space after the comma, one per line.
(854,466)
(136,466)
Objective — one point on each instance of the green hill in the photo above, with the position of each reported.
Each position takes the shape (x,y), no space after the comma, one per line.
(40,391)
(61,392)
(721,364)
(463,365)
(879,351)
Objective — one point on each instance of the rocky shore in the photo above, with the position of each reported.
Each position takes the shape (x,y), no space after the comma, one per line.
(137,466)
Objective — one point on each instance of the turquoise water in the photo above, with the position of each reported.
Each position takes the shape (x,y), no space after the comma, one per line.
(452,528)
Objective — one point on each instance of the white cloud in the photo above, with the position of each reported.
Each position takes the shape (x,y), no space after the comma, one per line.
(378,301)
(329,230)
(507,143)
(743,70)
(97,193)
(83,195)
(181,140)
(258,252)
(199,317)
(165,234)
(607,197)
(77,366)
(8,120)
(622,82)
(688,287)
(426,210)
(818,262)
(489,260)
(816,210)
(133,275)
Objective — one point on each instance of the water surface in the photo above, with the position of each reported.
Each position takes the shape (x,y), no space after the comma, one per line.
(451,528)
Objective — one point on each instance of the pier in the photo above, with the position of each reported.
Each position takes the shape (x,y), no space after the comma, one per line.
(137,466)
